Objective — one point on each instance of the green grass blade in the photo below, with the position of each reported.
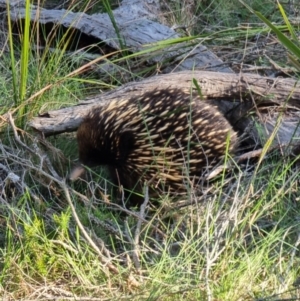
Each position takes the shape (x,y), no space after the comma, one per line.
(287,22)
(25,52)
(281,37)
(114,23)
(12,56)
(24,64)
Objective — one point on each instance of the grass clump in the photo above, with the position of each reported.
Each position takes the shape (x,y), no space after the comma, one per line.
(238,240)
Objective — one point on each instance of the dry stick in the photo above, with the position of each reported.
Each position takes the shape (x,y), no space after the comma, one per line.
(58,294)
(104,260)
(61,183)
(135,251)
(58,180)
(54,297)
(56,176)
(260,152)
(16,180)
(246,156)
(36,152)
(123,209)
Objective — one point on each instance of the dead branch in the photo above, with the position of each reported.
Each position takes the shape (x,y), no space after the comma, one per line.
(280,94)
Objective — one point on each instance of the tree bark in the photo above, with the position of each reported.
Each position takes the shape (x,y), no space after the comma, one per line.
(235,95)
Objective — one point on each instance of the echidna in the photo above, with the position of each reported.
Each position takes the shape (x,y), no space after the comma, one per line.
(164,138)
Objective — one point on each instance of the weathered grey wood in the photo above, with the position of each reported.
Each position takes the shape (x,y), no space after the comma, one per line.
(137,30)
(214,85)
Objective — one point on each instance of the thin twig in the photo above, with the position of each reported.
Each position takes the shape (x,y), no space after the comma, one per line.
(103,259)
(136,246)
(35,150)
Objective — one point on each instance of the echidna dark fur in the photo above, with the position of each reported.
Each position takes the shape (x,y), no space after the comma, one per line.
(164,138)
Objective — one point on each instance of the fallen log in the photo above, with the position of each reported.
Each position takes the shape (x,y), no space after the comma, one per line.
(238,96)
(136,32)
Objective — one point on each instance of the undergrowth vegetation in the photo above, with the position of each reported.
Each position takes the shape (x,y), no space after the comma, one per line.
(238,240)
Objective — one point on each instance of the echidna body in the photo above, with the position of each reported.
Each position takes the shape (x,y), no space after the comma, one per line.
(164,138)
